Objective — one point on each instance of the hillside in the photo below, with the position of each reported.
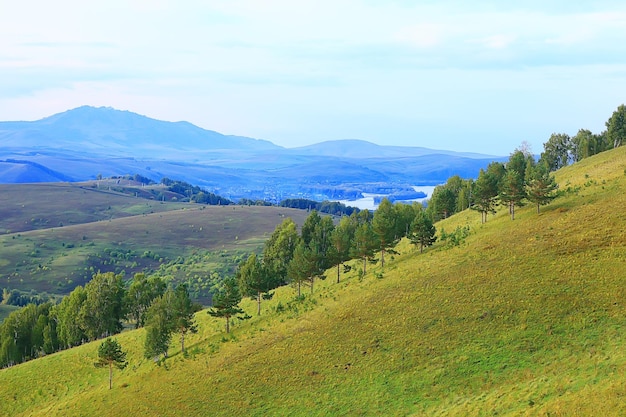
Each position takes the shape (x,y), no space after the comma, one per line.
(525,317)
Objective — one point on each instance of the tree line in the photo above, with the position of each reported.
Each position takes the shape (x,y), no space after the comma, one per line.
(97,310)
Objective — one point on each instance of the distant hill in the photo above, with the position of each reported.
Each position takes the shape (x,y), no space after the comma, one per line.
(106,131)
(80,144)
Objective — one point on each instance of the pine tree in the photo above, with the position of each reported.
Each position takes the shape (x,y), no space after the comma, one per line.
(541,187)
(110,354)
(226,302)
(422,231)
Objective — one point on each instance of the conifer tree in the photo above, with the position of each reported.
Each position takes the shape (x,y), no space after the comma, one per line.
(226,302)
(541,187)
(422,231)
(110,355)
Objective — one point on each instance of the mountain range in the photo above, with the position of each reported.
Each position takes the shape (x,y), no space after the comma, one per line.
(86,142)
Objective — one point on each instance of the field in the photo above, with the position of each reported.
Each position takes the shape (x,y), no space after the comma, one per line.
(80,230)
(524,317)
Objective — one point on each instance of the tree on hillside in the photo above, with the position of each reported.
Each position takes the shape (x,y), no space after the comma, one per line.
(442,203)
(422,231)
(512,191)
(303,266)
(110,354)
(557,151)
(405,213)
(364,243)
(616,127)
(341,239)
(183,310)
(278,250)
(541,187)
(159,326)
(255,281)
(69,330)
(586,144)
(384,225)
(103,309)
(484,194)
(139,296)
(226,302)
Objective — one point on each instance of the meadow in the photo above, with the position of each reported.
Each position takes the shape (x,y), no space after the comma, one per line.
(522,317)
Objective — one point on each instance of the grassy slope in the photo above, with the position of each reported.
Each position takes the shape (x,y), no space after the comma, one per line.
(525,318)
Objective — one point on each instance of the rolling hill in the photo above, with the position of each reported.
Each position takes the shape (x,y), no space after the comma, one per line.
(56,236)
(524,317)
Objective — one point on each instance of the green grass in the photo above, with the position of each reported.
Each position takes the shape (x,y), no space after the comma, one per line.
(525,317)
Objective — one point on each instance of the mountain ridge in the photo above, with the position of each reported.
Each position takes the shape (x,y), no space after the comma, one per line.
(81,144)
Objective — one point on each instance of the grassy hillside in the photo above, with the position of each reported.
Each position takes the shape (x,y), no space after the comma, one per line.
(526,317)
(69,232)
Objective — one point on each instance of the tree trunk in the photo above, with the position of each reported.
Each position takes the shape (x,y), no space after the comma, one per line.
(338,272)
(364,265)
(312,281)
(382,258)
(512,211)
(227,324)
(182,342)
(110,375)
(258,308)
(537,208)
(299,291)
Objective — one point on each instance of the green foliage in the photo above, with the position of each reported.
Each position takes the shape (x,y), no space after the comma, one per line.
(103,307)
(279,248)
(422,231)
(255,281)
(365,243)
(456,238)
(616,127)
(484,193)
(541,187)
(110,354)
(183,310)
(159,327)
(139,296)
(226,302)
(557,151)
(384,225)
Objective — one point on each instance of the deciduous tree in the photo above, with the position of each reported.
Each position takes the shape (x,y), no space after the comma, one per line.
(278,250)
(616,127)
(139,296)
(183,310)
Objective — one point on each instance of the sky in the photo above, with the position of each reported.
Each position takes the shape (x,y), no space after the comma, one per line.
(482,76)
